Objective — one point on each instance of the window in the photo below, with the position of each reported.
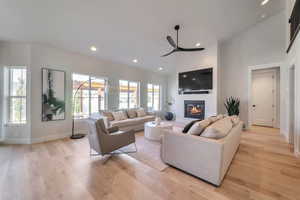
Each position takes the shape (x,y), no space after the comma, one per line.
(90,95)
(16,95)
(153,92)
(129,94)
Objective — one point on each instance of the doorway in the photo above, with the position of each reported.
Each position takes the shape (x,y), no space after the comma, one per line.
(265,97)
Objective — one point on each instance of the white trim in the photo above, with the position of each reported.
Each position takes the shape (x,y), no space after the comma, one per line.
(35,140)
(49,138)
(297,153)
(16,141)
(291,137)
(249,75)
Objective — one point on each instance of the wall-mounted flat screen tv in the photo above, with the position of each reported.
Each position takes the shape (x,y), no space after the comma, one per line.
(196,80)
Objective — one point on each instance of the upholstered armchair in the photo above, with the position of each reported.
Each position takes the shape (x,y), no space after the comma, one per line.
(107,140)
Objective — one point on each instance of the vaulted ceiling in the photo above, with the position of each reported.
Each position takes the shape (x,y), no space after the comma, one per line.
(123,30)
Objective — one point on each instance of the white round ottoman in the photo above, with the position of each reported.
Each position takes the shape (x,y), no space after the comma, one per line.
(154,131)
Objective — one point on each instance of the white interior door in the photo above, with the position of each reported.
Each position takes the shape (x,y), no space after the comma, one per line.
(263,98)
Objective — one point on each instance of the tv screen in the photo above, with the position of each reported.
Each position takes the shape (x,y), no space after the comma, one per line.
(196,80)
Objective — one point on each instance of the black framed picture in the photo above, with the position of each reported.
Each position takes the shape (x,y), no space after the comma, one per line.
(53,94)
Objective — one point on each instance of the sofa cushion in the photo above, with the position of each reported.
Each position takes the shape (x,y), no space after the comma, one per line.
(140,112)
(109,115)
(131,113)
(213,119)
(219,129)
(126,122)
(198,127)
(147,118)
(220,116)
(119,115)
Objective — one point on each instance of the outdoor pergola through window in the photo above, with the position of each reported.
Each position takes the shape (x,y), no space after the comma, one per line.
(129,94)
(90,97)
(153,92)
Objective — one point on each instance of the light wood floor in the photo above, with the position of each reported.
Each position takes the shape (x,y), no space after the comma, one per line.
(264,168)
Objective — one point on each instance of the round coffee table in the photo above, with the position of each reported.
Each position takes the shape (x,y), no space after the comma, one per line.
(154,131)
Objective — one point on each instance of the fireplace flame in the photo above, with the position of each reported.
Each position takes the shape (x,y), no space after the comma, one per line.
(195,110)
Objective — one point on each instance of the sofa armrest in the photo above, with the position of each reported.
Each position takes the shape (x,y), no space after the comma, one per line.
(113,129)
(197,155)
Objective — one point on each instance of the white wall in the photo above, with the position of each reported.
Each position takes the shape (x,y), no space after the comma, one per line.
(293,59)
(188,62)
(1,106)
(262,44)
(43,56)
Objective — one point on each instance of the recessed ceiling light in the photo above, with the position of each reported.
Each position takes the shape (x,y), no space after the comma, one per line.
(135,60)
(160,68)
(263,16)
(198,44)
(93,48)
(264,2)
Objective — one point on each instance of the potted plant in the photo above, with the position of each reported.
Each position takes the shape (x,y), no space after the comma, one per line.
(232,106)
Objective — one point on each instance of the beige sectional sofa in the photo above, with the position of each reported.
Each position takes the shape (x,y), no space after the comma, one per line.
(206,158)
(130,120)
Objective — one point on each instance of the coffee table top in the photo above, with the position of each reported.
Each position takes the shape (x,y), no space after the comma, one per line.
(161,125)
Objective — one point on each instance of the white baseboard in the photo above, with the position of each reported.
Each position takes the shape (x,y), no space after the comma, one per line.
(16,141)
(285,136)
(49,138)
(297,154)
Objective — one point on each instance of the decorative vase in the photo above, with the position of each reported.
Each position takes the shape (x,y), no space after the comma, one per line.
(169,116)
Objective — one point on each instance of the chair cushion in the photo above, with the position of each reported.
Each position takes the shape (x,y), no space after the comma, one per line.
(109,115)
(198,127)
(131,113)
(219,129)
(140,112)
(119,115)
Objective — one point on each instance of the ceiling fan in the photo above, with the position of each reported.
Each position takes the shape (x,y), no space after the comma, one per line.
(176,46)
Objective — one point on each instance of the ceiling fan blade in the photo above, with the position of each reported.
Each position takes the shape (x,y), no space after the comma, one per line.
(192,49)
(169,53)
(171,41)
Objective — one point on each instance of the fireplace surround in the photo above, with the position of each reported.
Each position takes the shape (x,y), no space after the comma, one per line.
(194,109)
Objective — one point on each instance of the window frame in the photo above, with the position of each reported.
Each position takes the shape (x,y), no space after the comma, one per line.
(128,94)
(89,81)
(9,97)
(160,92)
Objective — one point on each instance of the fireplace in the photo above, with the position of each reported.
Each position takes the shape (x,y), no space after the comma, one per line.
(194,109)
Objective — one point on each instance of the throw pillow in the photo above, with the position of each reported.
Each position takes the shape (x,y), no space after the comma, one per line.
(219,129)
(119,115)
(131,113)
(213,119)
(198,127)
(140,112)
(189,125)
(109,115)
(220,116)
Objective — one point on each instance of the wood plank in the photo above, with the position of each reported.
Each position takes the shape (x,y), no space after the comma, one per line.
(263,168)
